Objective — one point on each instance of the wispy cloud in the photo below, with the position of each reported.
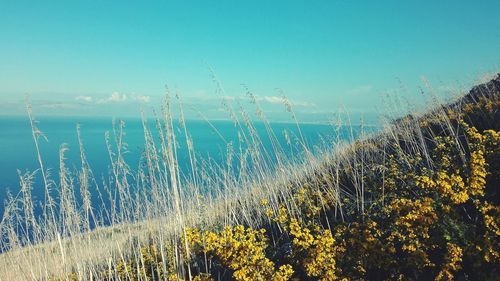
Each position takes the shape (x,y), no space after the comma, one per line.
(114,97)
(58,105)
(117,97)
(84,98)
(143,99)
(201,95)
(270,99)
(279,100)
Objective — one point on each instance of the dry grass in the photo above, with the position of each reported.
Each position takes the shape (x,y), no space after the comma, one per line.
(156,203)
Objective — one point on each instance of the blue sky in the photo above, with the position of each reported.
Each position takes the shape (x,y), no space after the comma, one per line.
(107,57)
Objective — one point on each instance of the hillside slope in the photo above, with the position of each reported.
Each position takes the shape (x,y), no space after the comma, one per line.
(417,201)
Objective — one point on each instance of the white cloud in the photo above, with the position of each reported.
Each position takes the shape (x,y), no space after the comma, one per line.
(116,97)
(202,96)
(271,99)
(229,98)
(279,100)
(84,98)
(143,99)
(58,105)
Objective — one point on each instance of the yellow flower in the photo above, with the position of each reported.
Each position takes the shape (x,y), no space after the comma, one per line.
(452,265)
(242,250)
(321,250)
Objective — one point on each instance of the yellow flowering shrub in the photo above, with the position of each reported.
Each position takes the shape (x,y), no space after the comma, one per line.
(367,250)
(452,262)
(489,245)
(449,186)
(413,207)
(240,249)
(412,222)
(477,178)
(321,251)
(483,104)
(447,180)
(491,216)
(309,201)
(203,277)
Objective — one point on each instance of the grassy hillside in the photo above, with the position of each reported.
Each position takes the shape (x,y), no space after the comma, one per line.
(417,201)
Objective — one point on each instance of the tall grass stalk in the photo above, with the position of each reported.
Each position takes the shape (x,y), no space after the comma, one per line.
(155,202)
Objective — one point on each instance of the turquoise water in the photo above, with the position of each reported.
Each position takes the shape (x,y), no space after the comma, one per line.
(17,150)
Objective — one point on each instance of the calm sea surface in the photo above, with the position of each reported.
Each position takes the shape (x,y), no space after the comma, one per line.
(17,150)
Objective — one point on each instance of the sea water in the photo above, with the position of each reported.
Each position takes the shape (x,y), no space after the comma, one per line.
(210,140)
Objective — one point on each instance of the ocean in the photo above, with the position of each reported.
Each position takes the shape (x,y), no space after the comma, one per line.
(18,154)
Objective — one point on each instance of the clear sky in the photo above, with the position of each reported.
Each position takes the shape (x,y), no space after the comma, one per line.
(106,57)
